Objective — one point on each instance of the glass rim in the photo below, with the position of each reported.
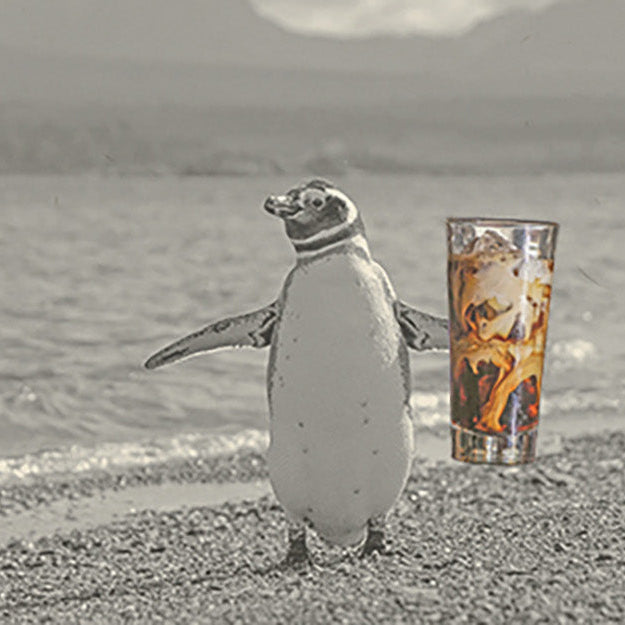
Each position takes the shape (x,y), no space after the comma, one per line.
(502,222)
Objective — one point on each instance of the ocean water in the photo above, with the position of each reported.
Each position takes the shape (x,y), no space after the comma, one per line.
(98,273)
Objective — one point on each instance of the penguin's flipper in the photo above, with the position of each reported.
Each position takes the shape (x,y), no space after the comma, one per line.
(253,329)
(421,331)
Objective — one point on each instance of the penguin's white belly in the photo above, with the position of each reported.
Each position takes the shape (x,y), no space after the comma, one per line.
(341,434)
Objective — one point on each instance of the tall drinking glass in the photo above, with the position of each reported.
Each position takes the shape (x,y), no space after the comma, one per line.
(499,283)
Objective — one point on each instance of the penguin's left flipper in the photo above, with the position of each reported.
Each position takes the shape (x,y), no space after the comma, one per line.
(253,329)
(422,331)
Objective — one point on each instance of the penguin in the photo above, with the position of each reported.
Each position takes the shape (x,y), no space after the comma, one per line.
(338,378)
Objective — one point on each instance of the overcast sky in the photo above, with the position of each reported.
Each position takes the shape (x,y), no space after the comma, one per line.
(358,18)
(130,27)
(566,46)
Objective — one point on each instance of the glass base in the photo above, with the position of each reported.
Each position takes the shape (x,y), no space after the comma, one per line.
(481,448)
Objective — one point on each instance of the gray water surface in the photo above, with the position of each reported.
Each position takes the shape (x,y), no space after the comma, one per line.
(98,273)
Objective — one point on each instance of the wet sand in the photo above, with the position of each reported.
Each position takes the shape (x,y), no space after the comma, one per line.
(467,544)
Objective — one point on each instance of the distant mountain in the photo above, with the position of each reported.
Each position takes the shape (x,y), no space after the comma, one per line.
(220,52)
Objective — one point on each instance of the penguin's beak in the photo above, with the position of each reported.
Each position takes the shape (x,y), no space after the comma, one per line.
(283,206)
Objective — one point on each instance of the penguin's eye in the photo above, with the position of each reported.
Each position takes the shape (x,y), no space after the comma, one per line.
(317,202)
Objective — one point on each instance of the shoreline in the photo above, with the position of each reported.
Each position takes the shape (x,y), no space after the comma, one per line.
(468,543)
(431,443)
(246,465)
(63,501)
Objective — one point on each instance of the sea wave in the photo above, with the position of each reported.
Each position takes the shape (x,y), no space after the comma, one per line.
(569,354)
(79,458)
(430,410)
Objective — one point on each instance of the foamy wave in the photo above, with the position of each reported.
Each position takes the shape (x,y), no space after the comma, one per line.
(570,354)
(430,410)
(576,402)
(78,458)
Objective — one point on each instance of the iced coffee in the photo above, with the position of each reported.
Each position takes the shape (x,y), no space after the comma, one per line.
(499,280)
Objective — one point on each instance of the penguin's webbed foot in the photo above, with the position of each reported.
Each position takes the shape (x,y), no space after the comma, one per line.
(375,542)
(296,559)
(297,556)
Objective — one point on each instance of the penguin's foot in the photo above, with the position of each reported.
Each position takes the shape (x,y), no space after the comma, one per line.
(375,543)
(297,556)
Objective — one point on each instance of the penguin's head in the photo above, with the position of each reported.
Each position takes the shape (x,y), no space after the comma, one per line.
(316,214)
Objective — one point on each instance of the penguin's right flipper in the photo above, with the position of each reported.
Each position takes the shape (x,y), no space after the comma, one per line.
(422,331)
(253,329)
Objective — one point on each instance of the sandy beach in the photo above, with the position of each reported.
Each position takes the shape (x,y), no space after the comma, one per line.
(467,544)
